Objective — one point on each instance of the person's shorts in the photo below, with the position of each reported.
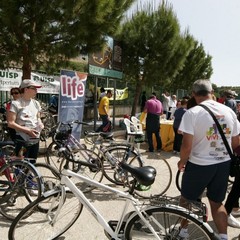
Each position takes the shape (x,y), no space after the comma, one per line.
(212,177)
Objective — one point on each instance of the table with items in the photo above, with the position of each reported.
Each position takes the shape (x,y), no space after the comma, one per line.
(166,133)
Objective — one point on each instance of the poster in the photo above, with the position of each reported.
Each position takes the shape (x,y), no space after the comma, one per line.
(10,78)
(71,99)
(108,61)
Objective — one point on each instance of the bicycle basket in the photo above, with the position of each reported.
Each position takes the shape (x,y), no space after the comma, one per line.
(63,132)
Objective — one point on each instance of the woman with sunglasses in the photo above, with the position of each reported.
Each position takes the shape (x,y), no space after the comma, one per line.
(15,94)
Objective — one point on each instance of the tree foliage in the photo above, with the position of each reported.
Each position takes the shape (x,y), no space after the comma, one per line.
(154,48)
(43,33)
(197,65)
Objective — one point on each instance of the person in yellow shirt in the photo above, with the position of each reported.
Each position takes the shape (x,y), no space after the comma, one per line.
(103,111)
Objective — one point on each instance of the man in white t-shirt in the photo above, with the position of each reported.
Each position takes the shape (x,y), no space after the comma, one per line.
(204,155)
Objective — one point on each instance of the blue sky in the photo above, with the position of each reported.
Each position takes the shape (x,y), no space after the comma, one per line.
(216,24)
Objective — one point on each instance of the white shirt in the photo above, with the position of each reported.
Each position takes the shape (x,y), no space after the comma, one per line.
(208,147)
(165,103)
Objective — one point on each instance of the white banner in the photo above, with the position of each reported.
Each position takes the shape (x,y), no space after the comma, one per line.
(12,78)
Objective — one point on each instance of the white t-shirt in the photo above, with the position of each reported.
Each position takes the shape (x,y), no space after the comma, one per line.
(208,147)
(165,102)
(26,114)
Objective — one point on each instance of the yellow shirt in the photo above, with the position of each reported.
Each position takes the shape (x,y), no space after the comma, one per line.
(104,102)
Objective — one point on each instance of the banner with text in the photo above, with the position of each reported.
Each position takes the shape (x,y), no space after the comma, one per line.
(13,78)
(121,94)
(71,99)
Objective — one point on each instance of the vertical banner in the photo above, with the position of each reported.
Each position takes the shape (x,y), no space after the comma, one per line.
(71,99)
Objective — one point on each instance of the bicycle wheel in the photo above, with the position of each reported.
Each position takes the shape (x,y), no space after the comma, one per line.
(167,224)
(116,174)
(162,181)
(95,173)
(8,150)
(50,176)
(53,156)
(32,222)
(20,184)
(178,180)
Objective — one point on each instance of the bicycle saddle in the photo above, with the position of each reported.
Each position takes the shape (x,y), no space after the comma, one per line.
(144,175)
(106,135)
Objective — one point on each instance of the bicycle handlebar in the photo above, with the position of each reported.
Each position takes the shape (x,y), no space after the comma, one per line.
(72,122)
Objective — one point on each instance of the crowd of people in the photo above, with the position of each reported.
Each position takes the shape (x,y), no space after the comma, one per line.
(199,145)
(197,141)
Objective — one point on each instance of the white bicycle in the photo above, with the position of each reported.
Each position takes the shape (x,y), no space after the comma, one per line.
(56,211)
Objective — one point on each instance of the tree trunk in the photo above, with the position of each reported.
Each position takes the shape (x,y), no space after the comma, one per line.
(27,66)
(137,96)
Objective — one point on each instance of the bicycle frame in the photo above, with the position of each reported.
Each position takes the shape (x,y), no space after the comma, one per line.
(129,200)
(102,149)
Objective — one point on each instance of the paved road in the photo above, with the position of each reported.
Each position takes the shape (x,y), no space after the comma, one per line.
(86,226)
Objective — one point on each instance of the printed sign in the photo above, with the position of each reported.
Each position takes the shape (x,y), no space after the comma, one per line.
(13,78)
(72,97)
(107,62)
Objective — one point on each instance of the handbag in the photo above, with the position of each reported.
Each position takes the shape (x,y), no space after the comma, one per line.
(235,160)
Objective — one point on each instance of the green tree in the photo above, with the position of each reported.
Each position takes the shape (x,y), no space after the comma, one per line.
(154,48)
(197,65)
(42,33)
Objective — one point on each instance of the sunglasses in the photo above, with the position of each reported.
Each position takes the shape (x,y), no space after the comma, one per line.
(14,93)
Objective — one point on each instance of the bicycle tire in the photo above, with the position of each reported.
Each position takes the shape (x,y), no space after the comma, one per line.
(95,173)
(32,222)
(25,188)
(162,181)
(169,220)
(50,175)
(53,156)
(178,180)
(116,174)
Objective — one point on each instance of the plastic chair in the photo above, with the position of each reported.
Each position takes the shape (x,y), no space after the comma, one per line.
(132,132)
(137,123)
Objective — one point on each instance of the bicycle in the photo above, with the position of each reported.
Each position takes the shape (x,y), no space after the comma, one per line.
(49,121)
(113,153)
(19,179)
(159,219)
(66,146)
(21,182)
(4,130)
